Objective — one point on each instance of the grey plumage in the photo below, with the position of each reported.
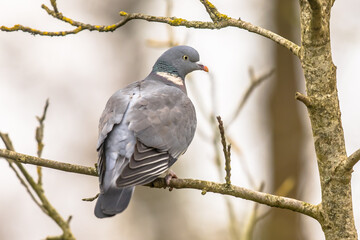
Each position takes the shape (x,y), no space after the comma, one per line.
(144,128)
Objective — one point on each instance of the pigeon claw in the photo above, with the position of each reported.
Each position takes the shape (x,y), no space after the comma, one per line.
(170,175)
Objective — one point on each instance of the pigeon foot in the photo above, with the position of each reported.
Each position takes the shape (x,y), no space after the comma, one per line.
(170,175)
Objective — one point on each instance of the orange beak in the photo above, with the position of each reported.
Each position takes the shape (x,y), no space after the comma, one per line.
(204,68)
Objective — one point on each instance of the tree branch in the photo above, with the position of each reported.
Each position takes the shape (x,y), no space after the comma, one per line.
(352,160)
(254,82)
(304,99)
(219,21)
(226,150)
(9,145)
(239,192)
(213,12)
(39,135)
(27,159)
(45,205)
(205,186)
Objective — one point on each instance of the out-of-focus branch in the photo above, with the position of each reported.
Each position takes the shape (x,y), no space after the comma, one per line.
(39,135)
(43,202)
(170,42)
(54,5)
(248,231)
(205,186)
(8,144)
(219,21)
(254,82)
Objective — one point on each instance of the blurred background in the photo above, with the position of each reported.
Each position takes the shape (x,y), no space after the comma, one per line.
(271,136)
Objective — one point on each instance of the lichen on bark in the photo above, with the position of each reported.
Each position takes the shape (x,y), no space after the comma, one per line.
(336,211)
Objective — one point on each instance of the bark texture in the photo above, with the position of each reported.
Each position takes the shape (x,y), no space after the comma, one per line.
(336,212)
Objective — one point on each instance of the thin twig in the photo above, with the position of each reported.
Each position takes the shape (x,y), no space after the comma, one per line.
(91,198)
(254,82)
(214,14)
(45,205)
(170,42)
(8,144)
(39,135)
(352,160)
(283,190)
(233,223)
(244,165)
(304,99)
(251,223)
(219,21)
(54,5)
(204,186)
(226,150)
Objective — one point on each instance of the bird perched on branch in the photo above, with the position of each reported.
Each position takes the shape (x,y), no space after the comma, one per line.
(144,129)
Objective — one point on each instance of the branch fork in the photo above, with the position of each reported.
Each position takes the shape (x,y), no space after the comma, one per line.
(219,20)
(304,99)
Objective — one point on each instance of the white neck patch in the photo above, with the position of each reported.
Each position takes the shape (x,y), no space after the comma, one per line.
(172,78)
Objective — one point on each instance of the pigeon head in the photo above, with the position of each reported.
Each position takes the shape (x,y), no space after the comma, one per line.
(179,61)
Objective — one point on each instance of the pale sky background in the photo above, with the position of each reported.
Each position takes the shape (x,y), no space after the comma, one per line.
(78,73)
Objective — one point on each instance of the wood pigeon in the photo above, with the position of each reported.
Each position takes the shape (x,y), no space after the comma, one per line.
(144,129)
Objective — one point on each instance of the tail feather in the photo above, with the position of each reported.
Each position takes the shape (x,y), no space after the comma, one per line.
(113,201)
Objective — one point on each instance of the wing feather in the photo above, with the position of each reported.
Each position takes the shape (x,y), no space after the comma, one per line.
(145,164)
(113,114)
(164,119)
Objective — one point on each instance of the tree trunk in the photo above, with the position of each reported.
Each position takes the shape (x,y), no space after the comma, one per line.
(337,218)
(285,126)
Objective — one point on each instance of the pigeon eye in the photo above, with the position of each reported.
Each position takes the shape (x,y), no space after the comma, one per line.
(185,57)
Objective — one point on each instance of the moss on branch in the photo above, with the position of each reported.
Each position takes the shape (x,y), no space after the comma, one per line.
(219,20)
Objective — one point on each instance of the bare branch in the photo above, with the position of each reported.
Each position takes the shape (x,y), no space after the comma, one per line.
(45,205)
(33,31)
(219,21)
(304,99)
(226,150)
(247,233)
(39,135)
(213,12)
(53,4)
(254,82)
(239,192)
(204,186)
(225,22)
(170,42)
(8,144)
(352,160)
(91,198)
(67,167)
